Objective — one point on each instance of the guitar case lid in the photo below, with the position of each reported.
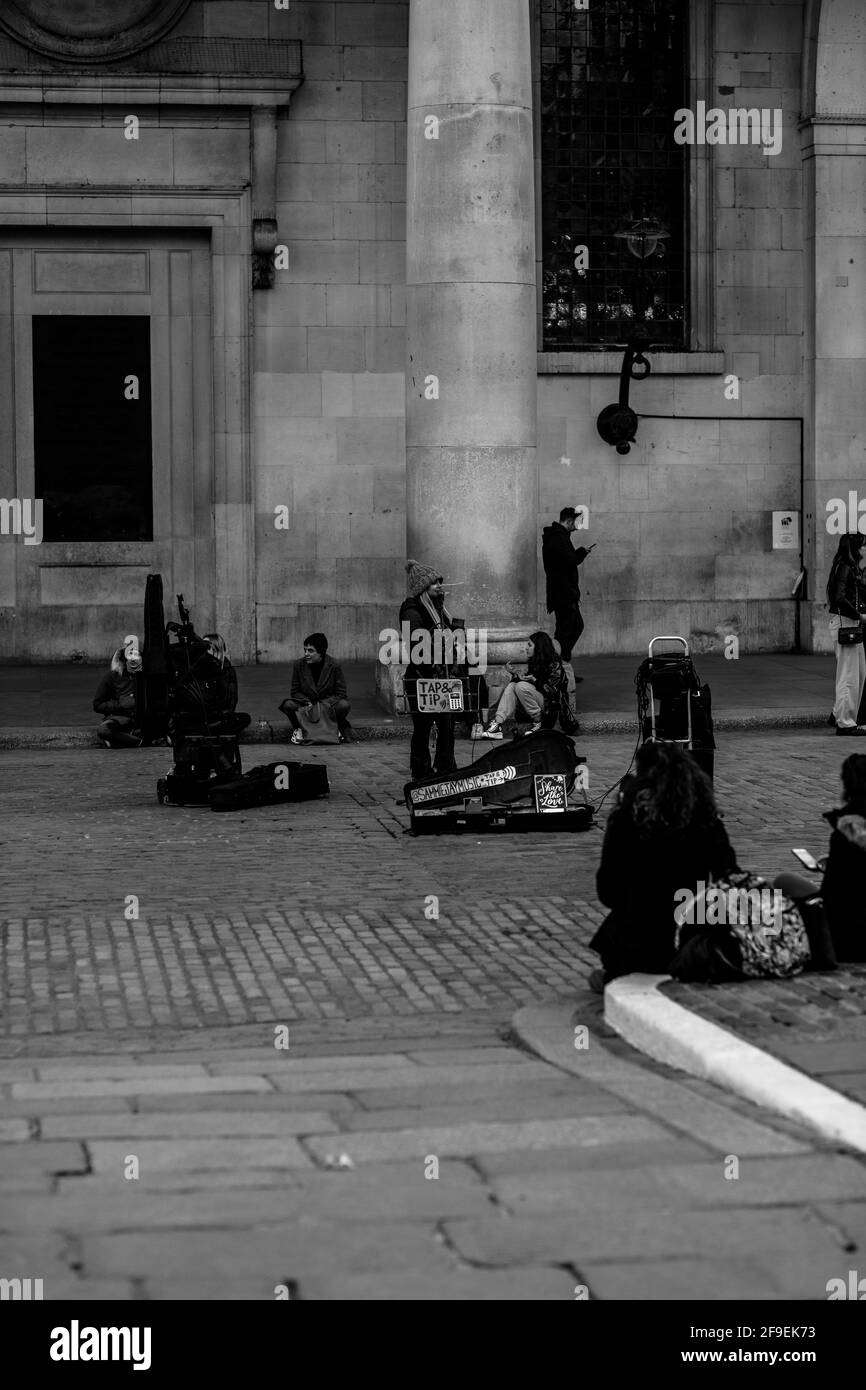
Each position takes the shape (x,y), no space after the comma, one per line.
(500,776)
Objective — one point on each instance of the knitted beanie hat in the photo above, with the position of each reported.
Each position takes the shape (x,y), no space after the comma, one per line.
(317,640)
(420,577)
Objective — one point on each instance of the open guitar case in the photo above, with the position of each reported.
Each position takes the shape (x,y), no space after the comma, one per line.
(497,791)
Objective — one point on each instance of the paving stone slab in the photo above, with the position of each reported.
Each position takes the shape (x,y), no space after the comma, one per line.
(38,1157)
(641,1147)
(523,1285)
(254,1289)
(137,1086)
(521,1107)
(583,1097)
(111,1071)
(850,1219)
(281,1062)
(200,1125)
(702,1281)
(74,1290)
(412,1077)
(468,1139)
(465,1056)
(631,1233)
(276,1102)
(13,1130)
(96,1105)
(762,1182)
(303,1248)
(137,1209)
(215,1180)
(159,1154)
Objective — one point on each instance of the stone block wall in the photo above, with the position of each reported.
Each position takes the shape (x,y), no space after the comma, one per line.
(683,522)
(328,404)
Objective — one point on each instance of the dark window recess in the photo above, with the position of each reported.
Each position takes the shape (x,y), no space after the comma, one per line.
(92,444)
(611,79)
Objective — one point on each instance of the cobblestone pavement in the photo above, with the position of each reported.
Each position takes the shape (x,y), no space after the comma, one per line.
(157,1143)
(317,911)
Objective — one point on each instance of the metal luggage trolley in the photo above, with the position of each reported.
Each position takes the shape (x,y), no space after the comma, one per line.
(673,706)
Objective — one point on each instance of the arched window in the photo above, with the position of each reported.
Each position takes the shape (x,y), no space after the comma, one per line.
(612,76)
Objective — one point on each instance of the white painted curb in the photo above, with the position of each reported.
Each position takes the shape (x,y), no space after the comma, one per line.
(636,1009)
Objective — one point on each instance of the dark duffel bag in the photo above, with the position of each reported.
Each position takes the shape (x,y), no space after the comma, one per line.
(270,784)
(201,762)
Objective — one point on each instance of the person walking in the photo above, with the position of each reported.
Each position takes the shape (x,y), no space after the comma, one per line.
(561,565)
(846,598)
(317,679)
(542,691)
(425,612)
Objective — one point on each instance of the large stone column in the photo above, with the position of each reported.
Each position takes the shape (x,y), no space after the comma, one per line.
(834,239)
(471,482)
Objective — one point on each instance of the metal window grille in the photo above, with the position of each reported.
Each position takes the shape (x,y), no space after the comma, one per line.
(612,77)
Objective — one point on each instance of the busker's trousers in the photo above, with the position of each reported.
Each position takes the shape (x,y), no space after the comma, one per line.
(524,693)
(419,748)
(850,675)
(569,626)
(339,710)
(118,731)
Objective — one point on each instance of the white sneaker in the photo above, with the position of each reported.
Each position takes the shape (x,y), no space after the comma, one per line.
(492,732)
(298,736)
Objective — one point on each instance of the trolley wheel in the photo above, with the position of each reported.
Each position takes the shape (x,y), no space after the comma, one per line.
(162,791)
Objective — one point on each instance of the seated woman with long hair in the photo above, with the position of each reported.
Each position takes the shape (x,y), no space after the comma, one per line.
(665,835)
(841,892)
(542,691)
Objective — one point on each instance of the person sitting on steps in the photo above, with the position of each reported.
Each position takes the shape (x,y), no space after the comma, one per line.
(316,678)
(542,691)
(115,698)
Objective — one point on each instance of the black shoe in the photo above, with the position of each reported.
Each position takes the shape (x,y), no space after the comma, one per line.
(851,731)
(831,720)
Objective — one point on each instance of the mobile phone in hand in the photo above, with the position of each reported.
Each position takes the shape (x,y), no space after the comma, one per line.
(806,859)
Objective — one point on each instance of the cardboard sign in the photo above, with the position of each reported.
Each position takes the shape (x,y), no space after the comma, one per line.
(786,530)
(551,793)
(440,696)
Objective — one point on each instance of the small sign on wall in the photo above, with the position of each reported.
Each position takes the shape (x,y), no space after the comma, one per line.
(786,530)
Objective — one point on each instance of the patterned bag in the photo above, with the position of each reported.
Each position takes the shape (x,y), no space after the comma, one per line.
(773,942)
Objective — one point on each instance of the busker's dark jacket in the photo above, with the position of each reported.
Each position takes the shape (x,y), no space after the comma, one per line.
(416,614)
(115,695)
(322,681)
(561,561)
(842,886)
(847,594)
(638,878)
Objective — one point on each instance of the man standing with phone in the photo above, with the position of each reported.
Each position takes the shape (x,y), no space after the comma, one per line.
(561,563)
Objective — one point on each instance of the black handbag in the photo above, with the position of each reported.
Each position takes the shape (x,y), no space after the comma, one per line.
(850,636)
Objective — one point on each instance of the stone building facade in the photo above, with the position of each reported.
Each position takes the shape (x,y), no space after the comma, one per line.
(347,353)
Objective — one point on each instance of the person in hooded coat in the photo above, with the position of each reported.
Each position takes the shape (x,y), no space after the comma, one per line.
(115,698)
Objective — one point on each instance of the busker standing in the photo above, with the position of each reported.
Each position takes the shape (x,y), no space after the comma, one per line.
(425,612)
(561,564)
(846,599)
